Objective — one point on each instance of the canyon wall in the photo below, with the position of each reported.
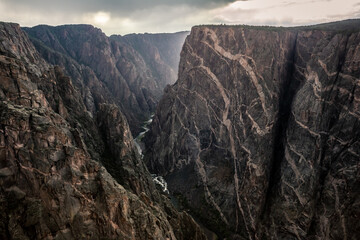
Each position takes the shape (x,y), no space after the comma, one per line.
(69,170)
(161,52)
(132,70)
(260,135)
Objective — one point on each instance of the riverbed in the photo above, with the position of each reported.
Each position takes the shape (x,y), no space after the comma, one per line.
(140,146)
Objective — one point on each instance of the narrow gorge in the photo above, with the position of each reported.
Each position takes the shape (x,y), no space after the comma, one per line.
(130,70)
(68,165)
(225,132)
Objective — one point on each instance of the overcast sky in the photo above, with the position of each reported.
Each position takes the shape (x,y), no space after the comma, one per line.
(122,17)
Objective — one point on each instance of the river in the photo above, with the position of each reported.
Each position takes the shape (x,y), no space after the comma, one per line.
(160,181)
(138,140)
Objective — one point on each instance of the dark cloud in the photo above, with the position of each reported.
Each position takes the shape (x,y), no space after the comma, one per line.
(112,6)
(121,17)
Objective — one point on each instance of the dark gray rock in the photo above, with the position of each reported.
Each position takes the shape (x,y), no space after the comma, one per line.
(129,71)
(60,162)
(161,52)
(259,136)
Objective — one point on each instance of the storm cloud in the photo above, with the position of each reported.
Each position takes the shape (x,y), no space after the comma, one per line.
(112,6)
(121,17)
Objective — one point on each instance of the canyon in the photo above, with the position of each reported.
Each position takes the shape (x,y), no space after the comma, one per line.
(255,133)
(68,165)
(131,70)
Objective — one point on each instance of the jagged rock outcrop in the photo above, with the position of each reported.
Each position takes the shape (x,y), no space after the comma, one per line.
(111,69)
(260,134)
(67,172)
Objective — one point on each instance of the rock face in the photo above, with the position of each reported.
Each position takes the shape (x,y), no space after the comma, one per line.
(132,77)
(161,52)
(69,171)
(260,135)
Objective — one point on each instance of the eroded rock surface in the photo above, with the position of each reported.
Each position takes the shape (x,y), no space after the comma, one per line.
(68,171)
(130,71)
(260,134)
(161,52)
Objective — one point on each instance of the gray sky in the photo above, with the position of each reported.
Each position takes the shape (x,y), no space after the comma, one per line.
(122,17)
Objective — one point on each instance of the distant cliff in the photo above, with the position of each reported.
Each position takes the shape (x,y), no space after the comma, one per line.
(132,70)
(68,166)
(260,135)
(161,52)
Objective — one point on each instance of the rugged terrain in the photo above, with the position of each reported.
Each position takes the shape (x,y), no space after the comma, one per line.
(68,167)
(161,52)
(260,135)
(131,70)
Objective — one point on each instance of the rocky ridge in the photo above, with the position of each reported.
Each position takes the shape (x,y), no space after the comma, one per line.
(260,134)
(115,67)
(68,171)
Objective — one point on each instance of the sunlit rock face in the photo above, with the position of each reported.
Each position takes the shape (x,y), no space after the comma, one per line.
(130,70)
(69,171)
(260,134)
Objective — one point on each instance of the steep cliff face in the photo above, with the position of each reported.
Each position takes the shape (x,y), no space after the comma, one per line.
(133,79)
(161,53)
(56,156)
(260,134)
